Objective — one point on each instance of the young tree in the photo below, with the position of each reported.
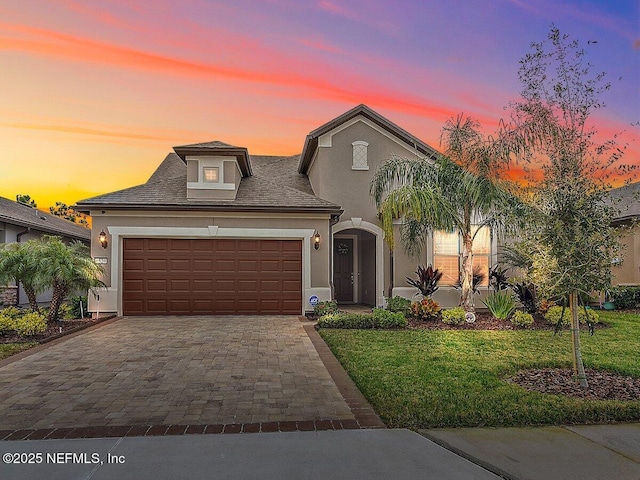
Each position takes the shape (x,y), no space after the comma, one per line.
(550,128)
(67,268)
(19,263)
(63,210)
(48,262)
(26,200)
(456,192)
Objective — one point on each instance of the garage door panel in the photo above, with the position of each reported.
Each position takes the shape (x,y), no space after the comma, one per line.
(291,266)
(159,244)
(157,285)
(247,266)
(225,266)
(270,266)
(211,276)
(134,265)
(157,264)
(179,285)
(202,285)
(202,264)
(180,265)
(136,286)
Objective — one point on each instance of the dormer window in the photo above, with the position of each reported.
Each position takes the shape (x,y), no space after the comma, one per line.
(360,160)
(211,174)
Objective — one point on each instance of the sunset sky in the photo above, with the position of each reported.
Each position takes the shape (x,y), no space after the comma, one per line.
(94,94)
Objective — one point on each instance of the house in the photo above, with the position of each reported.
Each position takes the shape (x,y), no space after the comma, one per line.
(19,223)
(216,230)
(626,272)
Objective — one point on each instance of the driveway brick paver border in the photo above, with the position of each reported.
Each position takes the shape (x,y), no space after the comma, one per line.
(363,415)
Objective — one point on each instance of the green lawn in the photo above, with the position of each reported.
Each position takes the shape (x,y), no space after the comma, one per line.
(419,379)
(8,349)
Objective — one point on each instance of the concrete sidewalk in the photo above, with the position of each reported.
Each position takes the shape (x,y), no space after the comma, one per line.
(344,454)
(585,452)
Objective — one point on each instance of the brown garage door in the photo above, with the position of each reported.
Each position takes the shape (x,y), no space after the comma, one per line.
(203,276)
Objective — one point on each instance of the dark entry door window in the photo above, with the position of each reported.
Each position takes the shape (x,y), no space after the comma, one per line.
(343,269)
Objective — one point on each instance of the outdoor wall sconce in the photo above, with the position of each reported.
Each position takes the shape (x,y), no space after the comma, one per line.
(316,240)
(102,238)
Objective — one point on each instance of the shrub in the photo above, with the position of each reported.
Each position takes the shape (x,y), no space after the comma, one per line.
(399,304)
(453,316)
(7,323)
(30,323)
(553,315)
(426,281)
(522,319)
(75,306)
(380,318)
(501,304)
(11,312)
(426,309)
(526,293)
(545,305)
(65,312)
(325,308)
(625,297)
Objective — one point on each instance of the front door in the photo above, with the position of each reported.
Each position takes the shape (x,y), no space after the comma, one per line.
(343,269)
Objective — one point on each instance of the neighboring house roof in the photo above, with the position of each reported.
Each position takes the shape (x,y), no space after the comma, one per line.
(627,199)
(217,147)
(274,185)
(24,216)
(311,142)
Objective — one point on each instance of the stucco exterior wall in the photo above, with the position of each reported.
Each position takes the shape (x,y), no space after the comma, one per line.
(628,272)
(209,225)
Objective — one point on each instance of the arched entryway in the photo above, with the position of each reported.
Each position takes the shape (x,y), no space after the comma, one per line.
(357,263)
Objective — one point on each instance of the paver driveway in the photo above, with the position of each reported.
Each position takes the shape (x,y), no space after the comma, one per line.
(173,370)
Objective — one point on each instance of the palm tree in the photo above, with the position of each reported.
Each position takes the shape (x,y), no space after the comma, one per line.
(458,191)
(19,263)
(67,268)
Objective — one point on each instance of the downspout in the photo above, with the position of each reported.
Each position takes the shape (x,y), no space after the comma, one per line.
(390,293)
(18,238)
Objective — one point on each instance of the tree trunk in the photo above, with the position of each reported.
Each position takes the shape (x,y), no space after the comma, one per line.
(59,293)
(466,299)
(578,367)
(31,295)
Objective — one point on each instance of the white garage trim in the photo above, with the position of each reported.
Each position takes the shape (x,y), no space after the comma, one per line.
(111,299)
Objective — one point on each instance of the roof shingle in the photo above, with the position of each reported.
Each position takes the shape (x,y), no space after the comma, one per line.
(25,216)
(275,184)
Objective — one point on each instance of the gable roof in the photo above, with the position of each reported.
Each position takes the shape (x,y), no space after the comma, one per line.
(628,200)
(274,185)
(216,147)
(311,142)
(24,216)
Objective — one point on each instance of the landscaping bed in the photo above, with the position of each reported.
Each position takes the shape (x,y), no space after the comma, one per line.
(486,321)
(56,330)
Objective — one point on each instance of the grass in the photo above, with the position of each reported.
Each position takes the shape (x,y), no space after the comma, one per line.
(454,378)
(8,349)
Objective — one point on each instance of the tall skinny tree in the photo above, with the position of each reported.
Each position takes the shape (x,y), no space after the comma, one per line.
(455,192)
(551,128)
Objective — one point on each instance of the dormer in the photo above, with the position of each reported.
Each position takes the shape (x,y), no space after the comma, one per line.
(214,169)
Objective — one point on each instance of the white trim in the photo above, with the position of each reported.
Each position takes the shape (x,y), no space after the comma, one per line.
(379,234)
(213,231)
(326,140)
(210,186)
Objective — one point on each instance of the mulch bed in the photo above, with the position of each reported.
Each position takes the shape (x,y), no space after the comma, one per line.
(57,330)
(485,321)
(559,381)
